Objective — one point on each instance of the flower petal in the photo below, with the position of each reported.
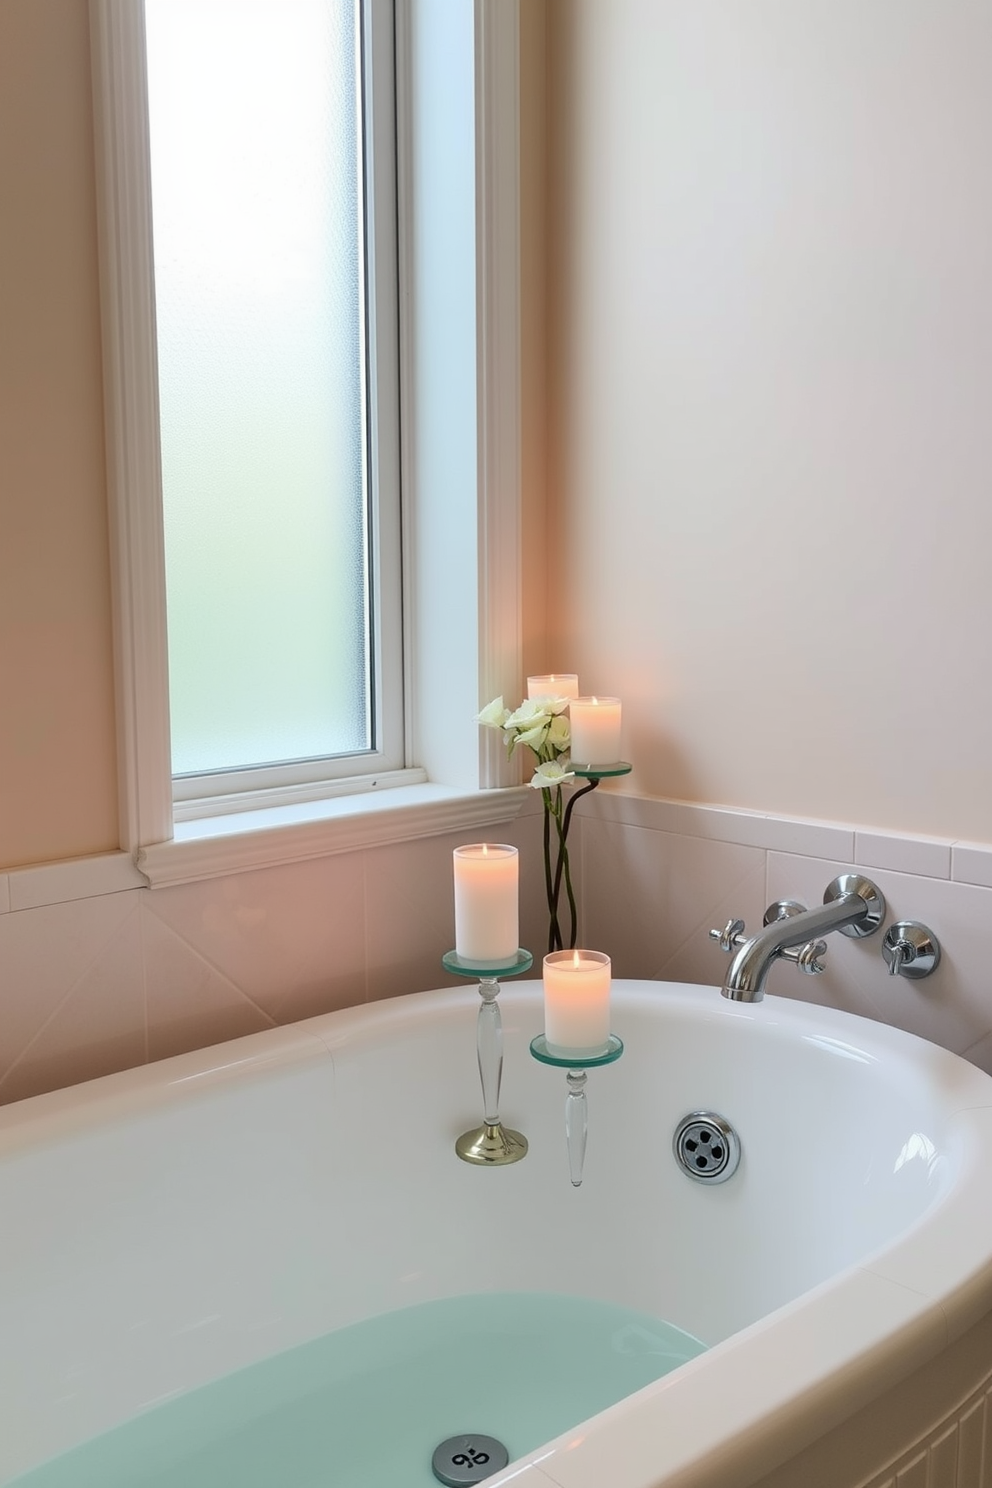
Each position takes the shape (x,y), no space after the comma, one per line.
(493,715)
(559,733)
(550,773)
(531,712)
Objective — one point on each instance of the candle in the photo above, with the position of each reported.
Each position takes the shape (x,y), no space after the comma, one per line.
(577,1002)
(595,724)
(486,902)
(555,684)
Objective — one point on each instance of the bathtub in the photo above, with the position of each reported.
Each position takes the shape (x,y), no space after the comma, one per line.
(164,1227)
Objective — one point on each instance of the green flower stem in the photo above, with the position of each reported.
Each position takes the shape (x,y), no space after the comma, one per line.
(560,871)
(563,870)
(554,933)
(563,822)
(555,930)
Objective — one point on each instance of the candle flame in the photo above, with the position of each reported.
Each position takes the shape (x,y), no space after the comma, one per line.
(576,962)
(594,700)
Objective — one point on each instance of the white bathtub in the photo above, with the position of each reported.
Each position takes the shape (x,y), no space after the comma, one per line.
(163,1227)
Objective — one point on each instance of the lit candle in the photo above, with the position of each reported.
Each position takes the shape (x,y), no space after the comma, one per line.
(556,684)
(486,902)
(577,1002)
(595,724)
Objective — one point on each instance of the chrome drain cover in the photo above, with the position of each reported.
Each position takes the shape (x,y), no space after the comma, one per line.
(706,1147)
(463,1460)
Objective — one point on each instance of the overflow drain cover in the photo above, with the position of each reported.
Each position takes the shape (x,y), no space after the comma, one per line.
(463,1460)
(706,1147)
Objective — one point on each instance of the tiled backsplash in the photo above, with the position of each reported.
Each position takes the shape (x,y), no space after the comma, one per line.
(96,984)
(657,876)
(99,983)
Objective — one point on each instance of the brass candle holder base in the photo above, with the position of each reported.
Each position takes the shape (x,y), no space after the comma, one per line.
(490,1146)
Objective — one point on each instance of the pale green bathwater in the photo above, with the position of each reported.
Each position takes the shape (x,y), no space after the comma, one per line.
(364,1407)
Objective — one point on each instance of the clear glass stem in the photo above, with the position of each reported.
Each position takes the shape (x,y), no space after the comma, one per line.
(489,1043)
(576,1123)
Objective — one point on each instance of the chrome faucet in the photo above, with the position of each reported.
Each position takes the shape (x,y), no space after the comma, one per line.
(851,904)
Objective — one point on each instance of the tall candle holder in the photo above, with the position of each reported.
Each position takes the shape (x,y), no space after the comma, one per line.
(576,1105)
(491,1144)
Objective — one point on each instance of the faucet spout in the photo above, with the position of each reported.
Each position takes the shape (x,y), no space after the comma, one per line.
(851,904)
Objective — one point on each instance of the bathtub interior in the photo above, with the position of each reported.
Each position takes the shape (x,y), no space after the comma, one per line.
(231,1216)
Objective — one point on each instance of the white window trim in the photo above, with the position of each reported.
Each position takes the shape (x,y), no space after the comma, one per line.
(466,580)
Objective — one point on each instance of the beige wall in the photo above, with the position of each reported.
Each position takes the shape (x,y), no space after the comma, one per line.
(772,375)
(57,771)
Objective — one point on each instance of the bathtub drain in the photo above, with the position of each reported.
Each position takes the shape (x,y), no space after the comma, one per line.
(462,1460)
(706,1147)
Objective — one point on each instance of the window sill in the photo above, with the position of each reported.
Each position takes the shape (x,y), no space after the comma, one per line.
(210,847)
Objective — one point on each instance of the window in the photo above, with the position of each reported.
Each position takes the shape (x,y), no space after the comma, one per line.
(279,485)
(454,275)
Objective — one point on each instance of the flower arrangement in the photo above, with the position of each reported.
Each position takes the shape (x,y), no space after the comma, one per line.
(541,725)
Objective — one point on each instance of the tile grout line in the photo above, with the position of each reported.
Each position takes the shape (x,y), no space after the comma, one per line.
(217,971)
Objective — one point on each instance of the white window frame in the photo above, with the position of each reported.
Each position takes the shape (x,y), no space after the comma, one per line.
(458,104)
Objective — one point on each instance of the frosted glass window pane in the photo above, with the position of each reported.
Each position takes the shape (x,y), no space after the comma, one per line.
(257,206)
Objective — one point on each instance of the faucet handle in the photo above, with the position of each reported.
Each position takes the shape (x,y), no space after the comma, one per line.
(910,950)
(731,936)
(809,957)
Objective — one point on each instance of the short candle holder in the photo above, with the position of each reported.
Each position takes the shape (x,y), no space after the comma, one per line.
(491,1144)
(576,1106)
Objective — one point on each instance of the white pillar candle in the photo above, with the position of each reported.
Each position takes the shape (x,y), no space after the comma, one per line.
(486,902)
(595,725)
(577,1002)
(555,684)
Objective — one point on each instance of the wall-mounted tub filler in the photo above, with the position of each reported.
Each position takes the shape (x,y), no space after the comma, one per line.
(851,904)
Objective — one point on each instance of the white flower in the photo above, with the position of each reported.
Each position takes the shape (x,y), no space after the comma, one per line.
(552,704)
(549,774)
(534,737)
(559,734)
(531,713)
(493,715)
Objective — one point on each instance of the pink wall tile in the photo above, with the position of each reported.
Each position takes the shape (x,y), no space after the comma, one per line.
(44,953)
(97,1028)
(292,939)
(190,1003)
(646,894)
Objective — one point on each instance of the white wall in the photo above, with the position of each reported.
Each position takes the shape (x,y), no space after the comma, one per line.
(772,364)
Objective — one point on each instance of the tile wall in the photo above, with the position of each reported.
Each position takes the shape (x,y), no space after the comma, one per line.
(96,984)
(657,875)
(89,985)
